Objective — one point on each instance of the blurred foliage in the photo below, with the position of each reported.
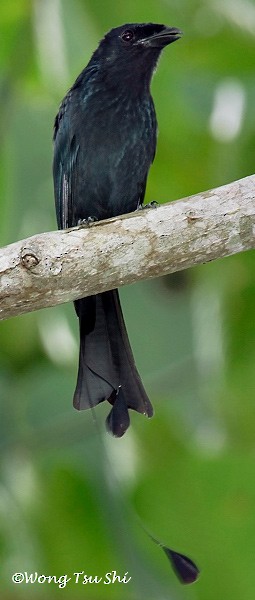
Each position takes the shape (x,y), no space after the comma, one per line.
(69,493)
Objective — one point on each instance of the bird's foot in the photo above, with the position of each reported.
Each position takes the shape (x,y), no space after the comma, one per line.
(153,204)
(87,222)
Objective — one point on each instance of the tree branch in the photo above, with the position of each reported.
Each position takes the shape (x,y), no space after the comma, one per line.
(52,268)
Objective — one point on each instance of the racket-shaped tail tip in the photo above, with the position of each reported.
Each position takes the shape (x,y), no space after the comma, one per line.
(185,569)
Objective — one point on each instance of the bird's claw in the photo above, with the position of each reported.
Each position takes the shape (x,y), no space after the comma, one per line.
(87,222)
(153,204)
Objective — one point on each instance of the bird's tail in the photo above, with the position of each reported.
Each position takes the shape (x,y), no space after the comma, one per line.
(107,369)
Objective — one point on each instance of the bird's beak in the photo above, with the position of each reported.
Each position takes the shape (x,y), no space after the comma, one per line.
(162,38)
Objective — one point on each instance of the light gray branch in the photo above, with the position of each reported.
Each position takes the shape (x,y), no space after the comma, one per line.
(52,268)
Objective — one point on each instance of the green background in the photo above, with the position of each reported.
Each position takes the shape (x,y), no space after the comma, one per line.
(69,494)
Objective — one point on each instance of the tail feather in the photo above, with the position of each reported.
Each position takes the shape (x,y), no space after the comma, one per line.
(107,369)
(118,419)
(97,379)
(129,378)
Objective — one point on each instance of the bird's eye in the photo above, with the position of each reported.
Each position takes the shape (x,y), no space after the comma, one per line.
(127,35)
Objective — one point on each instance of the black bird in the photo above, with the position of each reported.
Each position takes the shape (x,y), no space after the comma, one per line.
(105,141)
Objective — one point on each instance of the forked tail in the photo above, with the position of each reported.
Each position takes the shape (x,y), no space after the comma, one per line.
(107,368)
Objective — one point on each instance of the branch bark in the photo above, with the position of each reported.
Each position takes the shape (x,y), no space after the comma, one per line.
(52,268)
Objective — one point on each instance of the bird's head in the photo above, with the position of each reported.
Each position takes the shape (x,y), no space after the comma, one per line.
(133,49)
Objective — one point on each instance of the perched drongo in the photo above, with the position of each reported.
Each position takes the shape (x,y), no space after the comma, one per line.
(105,141)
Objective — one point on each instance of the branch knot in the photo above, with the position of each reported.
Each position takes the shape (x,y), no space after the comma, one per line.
(28,259)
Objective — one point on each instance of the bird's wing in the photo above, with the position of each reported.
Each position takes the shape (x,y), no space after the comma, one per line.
(67,148)
(66,151)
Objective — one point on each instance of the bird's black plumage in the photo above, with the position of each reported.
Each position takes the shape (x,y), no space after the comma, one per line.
(105,141)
